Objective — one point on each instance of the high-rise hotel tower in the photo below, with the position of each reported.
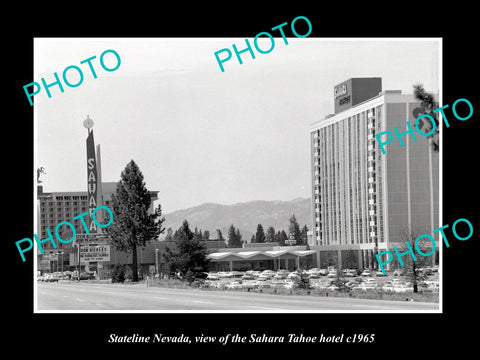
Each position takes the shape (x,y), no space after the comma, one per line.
(361,197)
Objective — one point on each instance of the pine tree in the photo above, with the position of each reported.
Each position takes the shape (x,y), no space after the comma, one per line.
(169,236)
(133,225)
(270,235)
(294,229)
(239,238)
(206,235)
(304,235)
(260,234)
(283,238)
(189,259)
(234,237)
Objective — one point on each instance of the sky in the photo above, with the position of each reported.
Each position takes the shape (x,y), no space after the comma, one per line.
(198,134)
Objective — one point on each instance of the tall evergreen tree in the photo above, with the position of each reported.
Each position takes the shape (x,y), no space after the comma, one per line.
(133,225)
(270,235)
(189,258)
(283,238)
(239,238)
(304,235)
(260,234)
(233,237)
(206,235)
(294,229)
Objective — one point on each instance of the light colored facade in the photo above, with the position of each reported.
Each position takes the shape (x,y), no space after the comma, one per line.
(362,198)
(56,207)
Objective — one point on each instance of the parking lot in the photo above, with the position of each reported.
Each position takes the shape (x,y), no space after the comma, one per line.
(323,279)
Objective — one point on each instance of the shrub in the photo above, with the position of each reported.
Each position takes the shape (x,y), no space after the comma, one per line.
(118,273)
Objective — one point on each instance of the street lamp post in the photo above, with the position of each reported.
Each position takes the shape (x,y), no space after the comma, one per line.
(78,264)
(61,253)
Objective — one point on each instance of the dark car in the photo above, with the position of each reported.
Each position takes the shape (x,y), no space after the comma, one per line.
(87,276)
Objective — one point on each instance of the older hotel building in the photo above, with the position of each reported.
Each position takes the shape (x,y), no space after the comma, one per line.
(363,199)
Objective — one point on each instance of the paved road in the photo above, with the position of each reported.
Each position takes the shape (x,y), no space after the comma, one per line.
(92,296)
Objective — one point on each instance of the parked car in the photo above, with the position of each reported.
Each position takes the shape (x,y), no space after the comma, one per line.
(266,276)
(234,285)
(333,287)
(388,286)
(264,284)
(397,281)
(366,272)
(399,272)
(248,276)
(50,278)
(400,286)
(250,284)
(430,286)
(367,284)
(276,284)
(289,284)
(350,272)
(213,276)
(280,276)
(323,272)
(323,284)
(332,273)
(236,274)
(293,275)
(380,273)
(403,287)
(224,274)
(87,276)
(351,284)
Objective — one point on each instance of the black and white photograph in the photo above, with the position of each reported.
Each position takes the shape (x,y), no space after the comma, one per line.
(231,181)
(259,188)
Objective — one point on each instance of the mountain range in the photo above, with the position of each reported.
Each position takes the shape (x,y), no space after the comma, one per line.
(244,216)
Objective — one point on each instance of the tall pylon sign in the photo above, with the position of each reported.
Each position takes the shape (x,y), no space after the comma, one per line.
(92,175)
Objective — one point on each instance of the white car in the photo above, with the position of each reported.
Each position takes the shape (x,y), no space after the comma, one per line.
(367,284)
(293,275)
(380,273)
(333,287)
(350,273)
(367,272)
(288,284)
(236,284)
(266,276)
(250,284)
(324,284)
(280,276)
(248,276)
(213,276)
(332,273)
(431,285)
(388,286)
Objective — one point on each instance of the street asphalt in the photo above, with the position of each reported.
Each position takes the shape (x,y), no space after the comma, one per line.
(72,296)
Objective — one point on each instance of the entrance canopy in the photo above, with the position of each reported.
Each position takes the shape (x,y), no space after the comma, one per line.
(245,255)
